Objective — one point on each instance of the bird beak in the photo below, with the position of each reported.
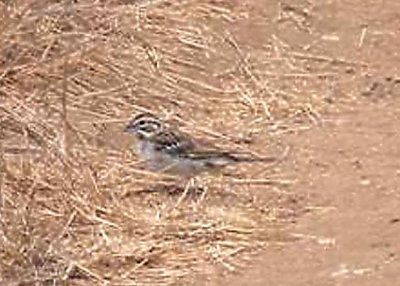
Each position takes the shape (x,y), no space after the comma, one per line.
(128,129)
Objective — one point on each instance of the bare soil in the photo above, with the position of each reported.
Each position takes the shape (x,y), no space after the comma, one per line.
(347,167)
(321,77)
(348,170)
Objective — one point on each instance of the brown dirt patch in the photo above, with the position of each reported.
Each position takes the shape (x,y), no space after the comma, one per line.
(348,171)
(250,75)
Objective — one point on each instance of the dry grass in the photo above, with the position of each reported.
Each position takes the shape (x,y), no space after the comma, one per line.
(72,205)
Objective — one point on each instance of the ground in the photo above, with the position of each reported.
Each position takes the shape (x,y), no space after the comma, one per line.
(317,78)
(348,171)
(347,166)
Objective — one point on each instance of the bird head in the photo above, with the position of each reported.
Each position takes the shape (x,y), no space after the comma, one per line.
(144,125)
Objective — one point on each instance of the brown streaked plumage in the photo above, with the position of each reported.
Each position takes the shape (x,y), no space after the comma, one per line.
(167,149)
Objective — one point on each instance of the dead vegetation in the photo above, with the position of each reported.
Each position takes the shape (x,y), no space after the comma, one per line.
(72,205)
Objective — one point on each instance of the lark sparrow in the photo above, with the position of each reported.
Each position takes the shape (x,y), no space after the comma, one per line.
(167,149)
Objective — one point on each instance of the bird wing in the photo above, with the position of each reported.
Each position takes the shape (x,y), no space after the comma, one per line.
(172,142)
(179,144)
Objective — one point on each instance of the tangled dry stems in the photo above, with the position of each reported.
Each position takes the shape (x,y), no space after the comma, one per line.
(72,205)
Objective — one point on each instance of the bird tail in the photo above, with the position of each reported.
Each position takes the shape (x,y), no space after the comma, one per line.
(252,158)
(247,158)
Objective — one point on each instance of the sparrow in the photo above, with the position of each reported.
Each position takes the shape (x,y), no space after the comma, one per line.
(167,149)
